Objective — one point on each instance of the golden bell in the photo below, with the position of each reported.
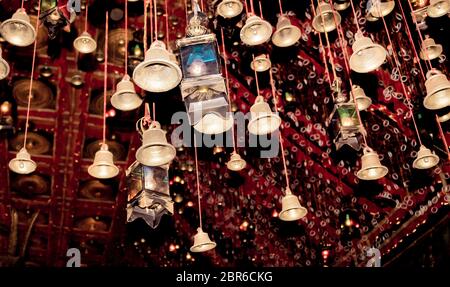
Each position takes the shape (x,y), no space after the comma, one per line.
(202,243)
(438,8)
(291,209)
(213,124)
(262,120)
(158,72)
(230,8)
(261,63)
(430,50)
(103,166)
(371,168)
(155,150)
(324,21)
(84,43)
(125,97)
(438,90)
(4,67)
(381,9)
(366,56)
(341,5)
(286,34)
(22,163)
(18,30)
(236,162)
(444,117)
(425,159)
(255,31)
(362,101)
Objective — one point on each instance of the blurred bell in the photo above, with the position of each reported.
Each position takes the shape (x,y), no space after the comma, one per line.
(341,5)
(381,9)
(4,67)
(213,124)
(438,8)
(103,166)
(262,120)
(438,90)
(236,162)
(230,8)
(22,163)
(286,34)
(430,50)
(158,72)
(444,118)
(202,242)
(255,31)
(18,30)
(371,168)
(291,209)
(425,159)
(155,150)
(366,56)
(324,21)
(84,43)
(362,101)
(125,97)
(261,63)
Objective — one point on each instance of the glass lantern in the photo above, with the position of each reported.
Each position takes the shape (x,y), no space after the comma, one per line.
(345,125)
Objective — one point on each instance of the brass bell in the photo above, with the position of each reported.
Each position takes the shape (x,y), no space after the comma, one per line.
(366,56)
(286,34)
(213,124)
(18,30)
(291,209)
(425,159)
(430,50)
(371,167)
(103,166)
(325,19)
(125,97)
(202,243)
(261,63)
(381,9)
(84,43)
(438,8)
(155,150)
(341,5)
(22,163)
(262,120)
(230,8)
(362,101)
(4,67)
(438,90)
(255,31)
(236,162)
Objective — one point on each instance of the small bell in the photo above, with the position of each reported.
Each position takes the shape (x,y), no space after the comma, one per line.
(371,167)
(262,120)
(103,166)
(438,90)
(430,50)
(125,97)
(230,8)
(236,162)
(425,159)
(366,56)
(202,243)
(438,8)
(261,63)
(22,163)
(325,19)
(84,43)
(155,150)
(291,209)
(255,31)
(286,34)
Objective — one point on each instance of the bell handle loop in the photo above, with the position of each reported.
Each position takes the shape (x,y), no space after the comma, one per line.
(259,99)
(432,72)
(367,149)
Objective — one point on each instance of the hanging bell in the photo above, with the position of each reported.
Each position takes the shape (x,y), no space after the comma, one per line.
(84,43)
(362,101)
(22,163)
(4,67)
(230,8)
(371,168)
(438,8)
(155,150)
(202,243)
(291,209)
(425,159)
(213,124)
(262,120)
(430,50)
(103,166)
(325,19)
(341,5)
(381,9)
(158,72)
(125,97)
(255,31)
(261,63)
(444,118)
(286,34)
(438,90)
(236,162)
(18,30)
(366,56)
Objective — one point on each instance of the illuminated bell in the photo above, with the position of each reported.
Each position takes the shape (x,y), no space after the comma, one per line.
(286,34)
(366,56)
(438,90)
(158,72)
(125,97)
(381,9)
(255,31)
(213,124)
(155,150)
(103,166)
(262,120)
(438,8)
(236,162)
(85,43)
(425,159)
(229,8)
(22,163)
(202,242)
(4,67)
(324,21)
(362,101)
(371,167)
(18,30)
(341,5)
(444,118)
(291,209)
(430,50)
(261,63)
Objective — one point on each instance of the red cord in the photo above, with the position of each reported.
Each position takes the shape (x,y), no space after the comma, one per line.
(105,83)
(86,16)
(198,183)
(126,36)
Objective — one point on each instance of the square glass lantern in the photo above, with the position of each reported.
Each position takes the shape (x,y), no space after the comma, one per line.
(348,117)
(345,126)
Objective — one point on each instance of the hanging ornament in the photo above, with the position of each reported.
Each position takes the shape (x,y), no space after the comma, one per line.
(366,56)
(22,163)
(256,31)
(230,8)
(438,90)
(438,8)
(291,209)
(378,8)
(363,102)
(430,50)
(326,19)
(103,166)
(262,120)
(286,34)
(18,30)
(425,159)
(4,67)
(236,162)
(371,168)
(261,63)
(155,150)
(84,43)
(341,5)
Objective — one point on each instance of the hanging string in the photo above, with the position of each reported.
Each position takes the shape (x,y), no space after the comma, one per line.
(281,7)
(155,6)
(167,23)
(444,140)
(105,78)
(252,8)
(154,111)
(198,184)
(145,25)
(21,6)
(150,16)
(186,10)
(126,36)
(85,17)
(246,7)
(256,78)
(33,62)
(260,10)
(354,15)
(227,80)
